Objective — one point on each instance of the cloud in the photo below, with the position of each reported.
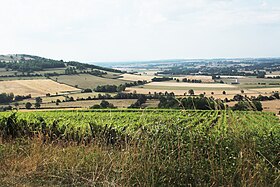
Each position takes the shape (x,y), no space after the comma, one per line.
(134,29)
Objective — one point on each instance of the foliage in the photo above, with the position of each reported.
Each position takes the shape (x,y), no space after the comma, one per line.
(28,105)
(160,79)
(141,100)
(104,104)
(248,105)
(140,147)
(196,103)
(6,97)
(110,88)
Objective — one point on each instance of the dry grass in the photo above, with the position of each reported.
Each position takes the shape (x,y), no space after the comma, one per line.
(30,163)
(34,87)
(235,153)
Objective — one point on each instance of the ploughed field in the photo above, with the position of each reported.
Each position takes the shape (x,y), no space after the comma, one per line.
(140,147)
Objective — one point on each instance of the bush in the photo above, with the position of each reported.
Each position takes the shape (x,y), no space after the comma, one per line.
(248,105)
(28,105)
(87,90)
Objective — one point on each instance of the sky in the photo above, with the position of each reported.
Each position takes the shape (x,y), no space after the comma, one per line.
(133,30)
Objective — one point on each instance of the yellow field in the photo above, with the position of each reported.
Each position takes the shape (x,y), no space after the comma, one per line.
(271,106)
(190,85)
(38,87)
(120,103)
(230,93)
(148,77)
(131,77)
(203,78)
(200,88)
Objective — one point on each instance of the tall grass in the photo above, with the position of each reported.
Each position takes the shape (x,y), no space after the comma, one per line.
(171,155)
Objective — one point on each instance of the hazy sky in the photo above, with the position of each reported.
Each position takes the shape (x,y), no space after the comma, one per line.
(121,30)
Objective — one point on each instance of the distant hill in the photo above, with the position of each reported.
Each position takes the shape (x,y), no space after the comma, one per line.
(30,63)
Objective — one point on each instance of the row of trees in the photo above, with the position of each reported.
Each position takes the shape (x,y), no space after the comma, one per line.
(110,88)
(10,97)
(36,64)
(207,103)
(115,88)
(191,80)
(103,105)
(161,79)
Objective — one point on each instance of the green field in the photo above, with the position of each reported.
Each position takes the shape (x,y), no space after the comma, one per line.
(140,148)
(86,81)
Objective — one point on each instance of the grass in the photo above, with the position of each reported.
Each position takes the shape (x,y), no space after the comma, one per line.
(3,72)
(86,81)
(20,78)
(52,70)
(162,148)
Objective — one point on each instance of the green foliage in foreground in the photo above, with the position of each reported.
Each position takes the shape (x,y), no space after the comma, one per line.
(144,148)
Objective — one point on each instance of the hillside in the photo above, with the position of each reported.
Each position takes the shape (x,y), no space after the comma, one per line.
(31,63)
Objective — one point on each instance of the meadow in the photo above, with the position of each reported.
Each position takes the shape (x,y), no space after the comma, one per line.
(140,148)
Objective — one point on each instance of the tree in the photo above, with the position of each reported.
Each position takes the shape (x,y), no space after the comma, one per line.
(28,105)
(16,104)
(242,91)
(261,74)
(38,100)
(96,106)
(37,105)
(191,92)
(224,92)
(104,104)
(6,98)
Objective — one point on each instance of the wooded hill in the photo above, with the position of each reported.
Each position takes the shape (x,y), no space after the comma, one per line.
(30,63)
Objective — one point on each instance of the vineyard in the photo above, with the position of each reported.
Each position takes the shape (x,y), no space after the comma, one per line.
(140,147)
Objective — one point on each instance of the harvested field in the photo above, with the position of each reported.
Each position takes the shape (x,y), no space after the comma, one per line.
(86,81)
(190,85)
(120,103)
(266,90)
(203,78)
(271,106)
(218,92)
(131,77)
(38,87)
